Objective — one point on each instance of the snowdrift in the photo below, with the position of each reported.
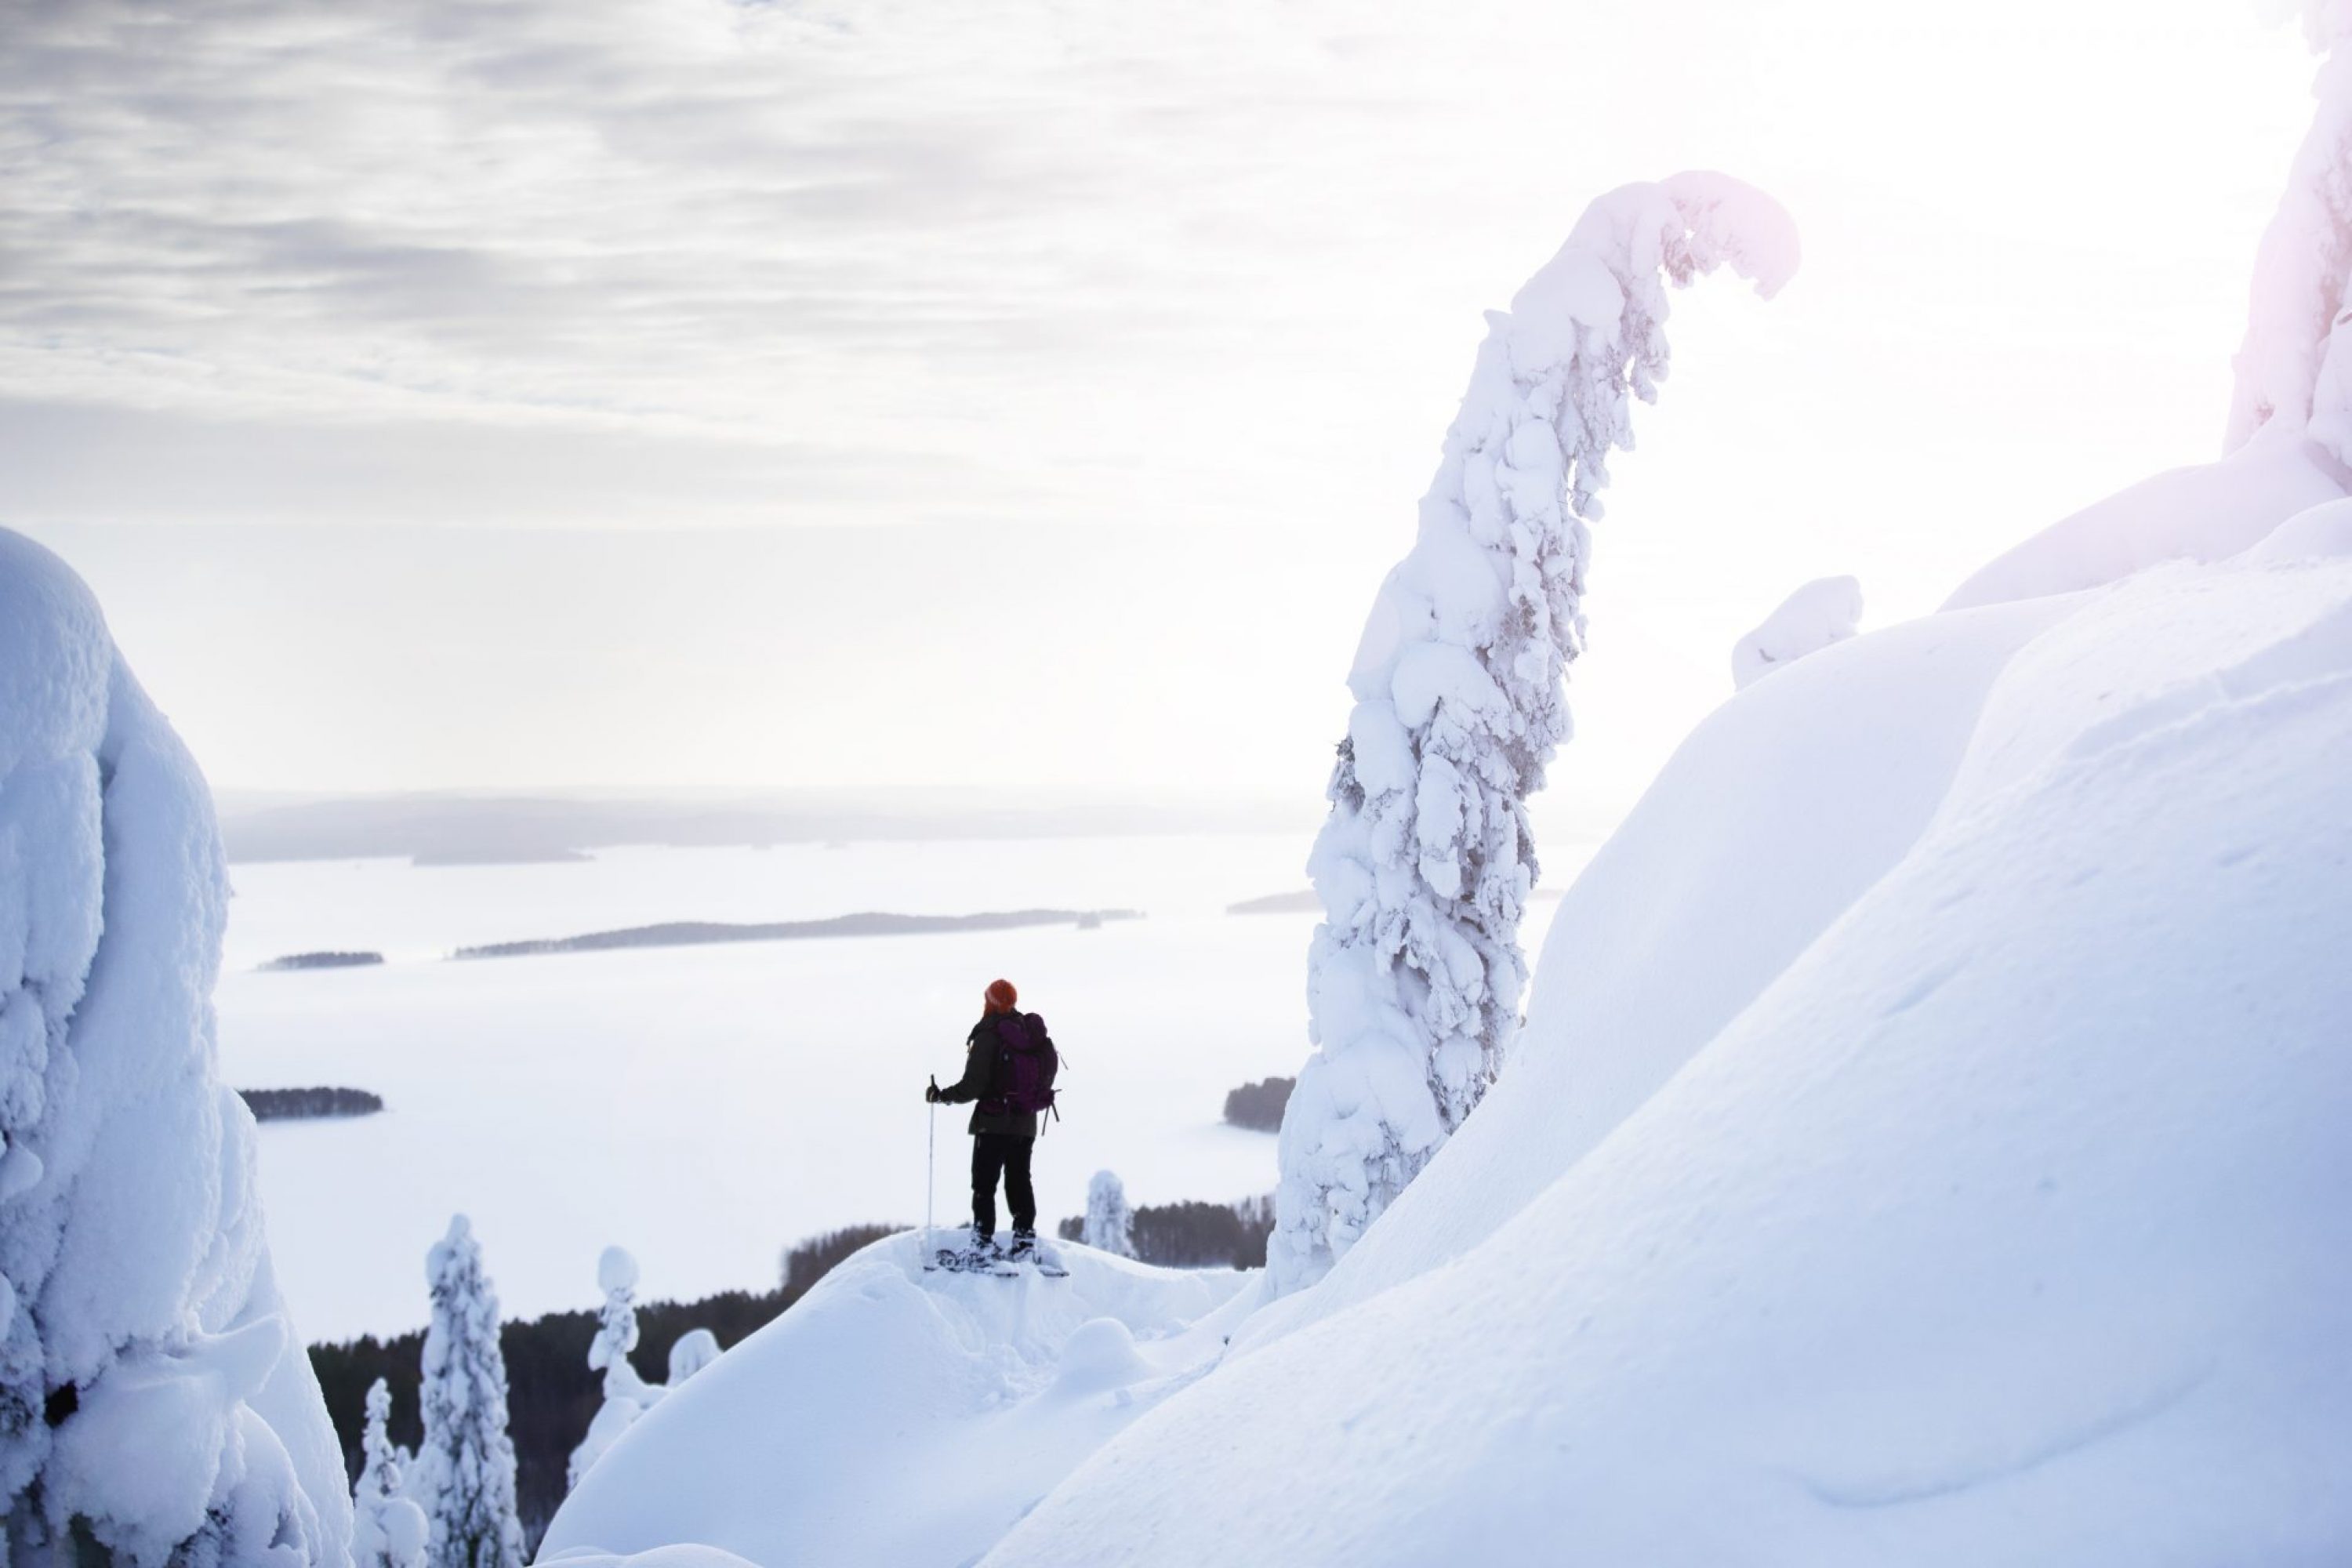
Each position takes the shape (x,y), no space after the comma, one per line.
(149,1382)
(894,1416)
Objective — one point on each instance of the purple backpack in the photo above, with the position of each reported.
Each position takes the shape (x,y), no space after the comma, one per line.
(1025,1065)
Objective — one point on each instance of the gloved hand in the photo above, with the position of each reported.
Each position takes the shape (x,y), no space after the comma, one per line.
(931,1093)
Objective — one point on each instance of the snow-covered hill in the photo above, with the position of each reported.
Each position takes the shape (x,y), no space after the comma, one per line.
(1926,1146)
(894,1416)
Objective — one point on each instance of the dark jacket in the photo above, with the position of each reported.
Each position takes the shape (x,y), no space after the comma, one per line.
(978,1071)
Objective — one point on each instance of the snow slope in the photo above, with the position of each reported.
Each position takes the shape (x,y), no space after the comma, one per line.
(2006,1225)
(151,1385)
(1925,1146)
(894,1416)
(2208,511)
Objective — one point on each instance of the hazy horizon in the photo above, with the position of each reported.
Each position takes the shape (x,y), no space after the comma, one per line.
(662,396)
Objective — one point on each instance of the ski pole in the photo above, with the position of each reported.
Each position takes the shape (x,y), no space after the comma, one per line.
(931,1164)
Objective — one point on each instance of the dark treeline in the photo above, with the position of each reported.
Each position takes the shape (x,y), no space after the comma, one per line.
(294,1104)
(1259,1106)
(1197,1236)
(324,960)
(551,1395)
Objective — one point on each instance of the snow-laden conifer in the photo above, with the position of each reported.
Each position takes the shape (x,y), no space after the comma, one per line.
(465,1466)
(2304,263)
(626,1396)
(155,1406)
(1111,1223)
(1426,862)
(407,1537)
(379,1486)
(690,1352)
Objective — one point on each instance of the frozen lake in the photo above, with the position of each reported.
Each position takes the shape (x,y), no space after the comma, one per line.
(706,1107)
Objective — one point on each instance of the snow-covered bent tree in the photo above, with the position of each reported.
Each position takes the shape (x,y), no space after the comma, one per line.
(2294,368)
(155,1404)
(1426,861)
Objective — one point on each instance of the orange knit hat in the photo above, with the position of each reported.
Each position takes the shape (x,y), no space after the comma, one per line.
(1001,997)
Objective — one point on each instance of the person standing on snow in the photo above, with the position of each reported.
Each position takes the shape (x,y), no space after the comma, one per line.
(1009,1067)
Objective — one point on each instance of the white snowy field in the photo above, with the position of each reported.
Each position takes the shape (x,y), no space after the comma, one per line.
(707,1105)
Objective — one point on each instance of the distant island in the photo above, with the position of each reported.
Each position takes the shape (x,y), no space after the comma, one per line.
(1303,901)
(324,960)
(308,1104)
(694,933)
(1259,1106)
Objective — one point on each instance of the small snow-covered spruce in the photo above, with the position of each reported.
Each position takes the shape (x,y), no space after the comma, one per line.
(627,1395)
(2286,375)
(1426,862)
(690,1352)
(1110,1223)
(407,1537)
(379,1484)
(466,1466)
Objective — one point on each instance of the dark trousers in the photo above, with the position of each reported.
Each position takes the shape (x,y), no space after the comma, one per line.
(995,1154)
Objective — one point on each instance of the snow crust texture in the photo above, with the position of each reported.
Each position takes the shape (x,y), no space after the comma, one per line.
(152,1396)
(1426,861)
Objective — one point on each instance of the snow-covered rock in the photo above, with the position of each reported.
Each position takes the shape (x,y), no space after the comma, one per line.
(896,1415)
(1824,611)
(149,1383)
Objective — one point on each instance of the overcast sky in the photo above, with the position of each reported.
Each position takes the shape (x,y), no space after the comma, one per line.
(678,393)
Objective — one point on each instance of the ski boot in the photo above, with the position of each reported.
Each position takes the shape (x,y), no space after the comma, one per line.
(1025,1250)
